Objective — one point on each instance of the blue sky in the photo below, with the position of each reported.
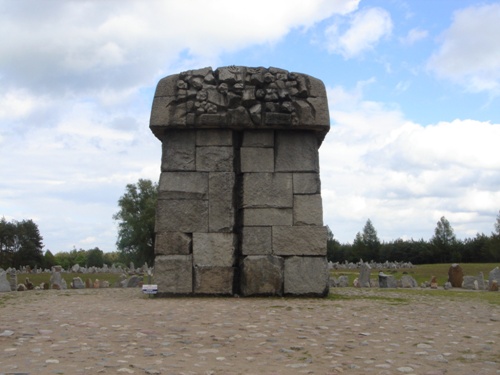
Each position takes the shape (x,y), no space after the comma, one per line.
(413,88)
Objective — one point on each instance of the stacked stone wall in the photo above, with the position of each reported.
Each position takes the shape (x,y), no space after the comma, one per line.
(239,208)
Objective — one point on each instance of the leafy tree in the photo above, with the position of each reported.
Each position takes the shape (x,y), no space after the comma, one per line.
(358,249)
(78,257)
(136,221)
(7,240)
(475,249)
(333,253)
(111,258)
(28,245)
(95,258)
(63,259)
(371,241)
(366,245)
(85,258)
(49,260)
(493,247)
(445,242)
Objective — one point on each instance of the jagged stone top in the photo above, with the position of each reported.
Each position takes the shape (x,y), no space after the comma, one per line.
(239,97)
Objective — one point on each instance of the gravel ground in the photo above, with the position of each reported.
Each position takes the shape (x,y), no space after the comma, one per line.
(122,331)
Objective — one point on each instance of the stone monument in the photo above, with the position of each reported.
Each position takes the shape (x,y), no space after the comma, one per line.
(239,206)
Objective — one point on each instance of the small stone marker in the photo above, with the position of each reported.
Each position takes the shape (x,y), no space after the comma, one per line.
(494,286)
(493,276)
(4,283)
(456,276)
(434,283)
(77,283)
(364,275)
(385,281)
(56,280)
(408,282)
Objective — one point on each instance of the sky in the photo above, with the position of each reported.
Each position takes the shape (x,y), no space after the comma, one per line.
(413,90)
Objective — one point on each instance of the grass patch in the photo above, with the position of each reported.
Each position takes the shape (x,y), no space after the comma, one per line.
(4,298)
(388,300)
(452,294)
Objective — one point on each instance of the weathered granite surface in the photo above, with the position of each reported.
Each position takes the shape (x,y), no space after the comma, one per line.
(239,206)
(174,274)
(262,275)
(213,280)
(306,276)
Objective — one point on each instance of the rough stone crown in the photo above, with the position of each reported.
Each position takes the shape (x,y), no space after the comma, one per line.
(238,97)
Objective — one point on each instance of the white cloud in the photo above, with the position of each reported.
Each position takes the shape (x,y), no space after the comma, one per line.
(88,46)
(469,53)
(404,176)
(19,103)
(414,35)
(366,28)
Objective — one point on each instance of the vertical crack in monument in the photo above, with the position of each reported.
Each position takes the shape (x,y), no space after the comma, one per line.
(239,205)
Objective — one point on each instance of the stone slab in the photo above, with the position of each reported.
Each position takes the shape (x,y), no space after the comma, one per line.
(256,241)
(258,138)
(364,275)
(307,210)
(167,86)
(214,137)
(267,190)
(296,151)
(214,280)
(299,240)
(267,216)
(321,113)
(493,275)
(214,159)
(221,204)
(179,150)
(4,283)
(183,185)
(186,216)
(306,183)
(315,87)
(262,275)
(174,274)
(214,249)
(455,275)
(257,159)
(173,243)
(306,276)
(162,113)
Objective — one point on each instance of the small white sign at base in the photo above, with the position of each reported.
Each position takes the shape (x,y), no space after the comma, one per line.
(150,288)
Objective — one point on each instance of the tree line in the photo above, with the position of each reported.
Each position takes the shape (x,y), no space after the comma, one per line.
(443,247)
(21,244)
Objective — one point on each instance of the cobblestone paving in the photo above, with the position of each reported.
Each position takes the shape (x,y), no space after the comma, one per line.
(122,331)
